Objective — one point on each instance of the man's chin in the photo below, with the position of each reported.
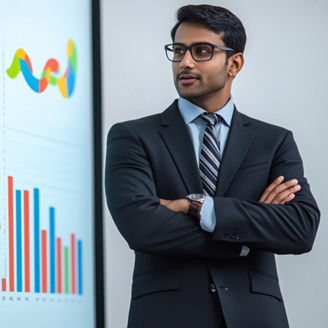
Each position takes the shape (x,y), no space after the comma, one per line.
(188,94)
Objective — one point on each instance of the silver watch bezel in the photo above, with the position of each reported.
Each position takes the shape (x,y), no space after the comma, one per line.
(196,197)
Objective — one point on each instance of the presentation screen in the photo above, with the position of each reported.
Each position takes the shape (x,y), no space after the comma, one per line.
(47,276)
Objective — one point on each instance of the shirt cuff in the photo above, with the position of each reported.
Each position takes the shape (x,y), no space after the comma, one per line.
(207,215)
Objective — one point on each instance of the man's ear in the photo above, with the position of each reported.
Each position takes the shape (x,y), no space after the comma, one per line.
(235,64)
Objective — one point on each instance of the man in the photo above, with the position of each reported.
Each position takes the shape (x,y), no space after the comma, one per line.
(205,195)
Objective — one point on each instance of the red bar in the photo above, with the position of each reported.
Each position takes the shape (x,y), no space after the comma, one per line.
(11,231)
(73,262)
(59,267)
(27,240)
(44,260)
(3,283)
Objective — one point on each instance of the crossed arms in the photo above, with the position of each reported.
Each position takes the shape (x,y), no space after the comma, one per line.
(278,192)
(151,226)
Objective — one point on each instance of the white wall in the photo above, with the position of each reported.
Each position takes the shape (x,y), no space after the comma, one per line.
(284,81)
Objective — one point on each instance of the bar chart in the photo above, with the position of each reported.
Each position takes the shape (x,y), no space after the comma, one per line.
(57,265)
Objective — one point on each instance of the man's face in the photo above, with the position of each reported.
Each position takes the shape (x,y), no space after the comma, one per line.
(194,80)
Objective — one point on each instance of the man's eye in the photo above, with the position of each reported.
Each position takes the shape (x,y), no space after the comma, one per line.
(178,50)
(202,51)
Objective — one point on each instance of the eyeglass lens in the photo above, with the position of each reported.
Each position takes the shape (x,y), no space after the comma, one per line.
(199,52)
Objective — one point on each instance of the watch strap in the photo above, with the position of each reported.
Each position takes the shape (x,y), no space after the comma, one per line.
(194,209)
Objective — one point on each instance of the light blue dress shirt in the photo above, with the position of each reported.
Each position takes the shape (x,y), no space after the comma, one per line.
(196,126)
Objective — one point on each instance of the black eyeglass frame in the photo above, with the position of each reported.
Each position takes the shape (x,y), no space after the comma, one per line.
(213,46)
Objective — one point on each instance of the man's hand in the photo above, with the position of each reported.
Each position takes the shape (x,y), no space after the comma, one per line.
(280,193)
(276,193)
(178,205)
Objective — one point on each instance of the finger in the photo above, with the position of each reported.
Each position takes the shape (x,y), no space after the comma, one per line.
(271,186)
(286,185)
(284,196)
(288,199)
(280,197)
(280,189)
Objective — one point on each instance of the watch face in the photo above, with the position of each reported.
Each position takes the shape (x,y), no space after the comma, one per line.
(196,197)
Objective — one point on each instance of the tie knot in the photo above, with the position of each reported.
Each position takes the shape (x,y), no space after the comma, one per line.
(210,118)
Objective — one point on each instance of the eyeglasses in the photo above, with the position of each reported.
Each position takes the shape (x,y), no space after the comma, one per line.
(200,51)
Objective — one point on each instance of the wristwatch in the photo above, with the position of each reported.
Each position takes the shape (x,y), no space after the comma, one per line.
(196,202)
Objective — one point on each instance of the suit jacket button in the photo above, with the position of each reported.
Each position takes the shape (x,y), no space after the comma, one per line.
(212,288)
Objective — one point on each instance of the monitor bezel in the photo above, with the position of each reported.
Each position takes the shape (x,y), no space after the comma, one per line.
(97,167)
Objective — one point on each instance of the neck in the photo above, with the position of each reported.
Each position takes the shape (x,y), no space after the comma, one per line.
(214,101)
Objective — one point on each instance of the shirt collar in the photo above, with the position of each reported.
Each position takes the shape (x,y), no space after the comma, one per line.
(190,111)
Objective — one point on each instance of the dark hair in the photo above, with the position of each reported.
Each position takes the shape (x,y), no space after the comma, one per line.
(219,20)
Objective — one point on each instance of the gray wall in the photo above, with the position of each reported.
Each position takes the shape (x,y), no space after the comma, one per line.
(284,81)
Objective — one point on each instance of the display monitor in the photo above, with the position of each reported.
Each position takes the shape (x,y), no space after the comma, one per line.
(50,199)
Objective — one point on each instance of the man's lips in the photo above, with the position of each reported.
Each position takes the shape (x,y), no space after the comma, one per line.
(187,79)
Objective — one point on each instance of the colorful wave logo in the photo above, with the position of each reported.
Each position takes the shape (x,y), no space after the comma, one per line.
(66,83)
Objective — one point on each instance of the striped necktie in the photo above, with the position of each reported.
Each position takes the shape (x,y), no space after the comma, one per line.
(210,155)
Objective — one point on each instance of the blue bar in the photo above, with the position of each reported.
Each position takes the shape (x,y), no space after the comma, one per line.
(36,240)
(52,251)
(79,265)
(19,239)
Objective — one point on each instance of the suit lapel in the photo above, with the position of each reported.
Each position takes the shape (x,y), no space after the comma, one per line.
(239,140)
(176,136)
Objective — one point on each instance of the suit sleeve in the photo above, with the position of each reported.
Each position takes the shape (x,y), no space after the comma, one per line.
(146,225)
(283,229)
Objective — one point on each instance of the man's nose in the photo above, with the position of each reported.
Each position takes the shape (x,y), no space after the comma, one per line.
(187,61)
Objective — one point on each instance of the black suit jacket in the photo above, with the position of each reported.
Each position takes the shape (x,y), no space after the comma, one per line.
(176,261)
